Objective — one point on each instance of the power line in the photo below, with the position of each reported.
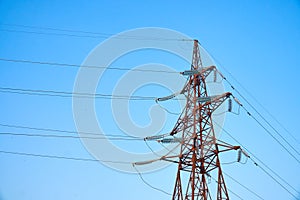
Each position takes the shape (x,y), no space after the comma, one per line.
(274,178)
(96,36)
(56,29)
(83,66)
(269,133)
(71,94)
(61,157)
(82,159)
(118,37)
(253,97)
(248,189)
(109,34)
(267,123)
(54,34)
(69,136)
(271,115)
(84,34)
(148,184)
(54,93)
(235,194)
(99,34)
(264,119)
(265,165)
(65,131)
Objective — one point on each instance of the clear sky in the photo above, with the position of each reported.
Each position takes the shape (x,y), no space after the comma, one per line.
(255,43)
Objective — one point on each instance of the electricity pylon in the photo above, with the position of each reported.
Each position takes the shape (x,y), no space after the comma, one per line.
(199,152)
(199,147)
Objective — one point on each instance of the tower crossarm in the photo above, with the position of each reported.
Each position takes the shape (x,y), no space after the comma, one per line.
(203,72)
(214,101)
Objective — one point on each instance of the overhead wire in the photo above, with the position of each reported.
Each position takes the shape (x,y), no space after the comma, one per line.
(84,159)
(37,62)
(255,118)
(61,157)
(55,29)
(272,127)
(148,184)
(149,147)
(151,99)
(96,136)
(118,37)
(108,35)
(65,94)
(28,29)
(255,99)
(269,133)
(245,187)
(83,66)
(167,110)
(266,130)
(54,34)
(265,165)
(234,193)
(68,136)
(72,94)
(66,131)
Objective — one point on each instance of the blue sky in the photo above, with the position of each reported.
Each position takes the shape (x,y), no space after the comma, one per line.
(258,42)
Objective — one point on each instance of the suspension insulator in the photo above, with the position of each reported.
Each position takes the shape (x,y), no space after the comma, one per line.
(239,155)
(215,75)
(170,140)
(190,72)
(156,137)
(168,97)
(229,105)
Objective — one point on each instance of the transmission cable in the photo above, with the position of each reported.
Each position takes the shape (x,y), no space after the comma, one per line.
(55,34)
(67,131)
(68,136)
(83,66)
(56,29)
(245,187)
(72,94)
(261,117)
(148,184)
(87,34)
(253,97)
(235,194)
(99,34)
(119,37)
(264,108)
(284,147)
(256,164)
(255,119)
(62,157)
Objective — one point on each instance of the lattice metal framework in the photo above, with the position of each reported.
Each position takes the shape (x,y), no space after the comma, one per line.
(199,152)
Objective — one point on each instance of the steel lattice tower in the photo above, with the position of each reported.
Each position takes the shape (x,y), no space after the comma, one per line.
(199,151)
